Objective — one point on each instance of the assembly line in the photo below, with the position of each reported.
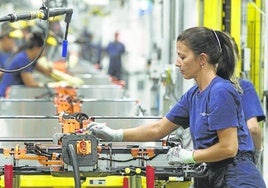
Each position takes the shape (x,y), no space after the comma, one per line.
(34,149)
(133,93)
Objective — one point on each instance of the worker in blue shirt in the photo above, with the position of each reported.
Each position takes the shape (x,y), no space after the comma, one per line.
(115,50)
(212,110)
(253,111)
(253,114)
(25,77)
(8,45)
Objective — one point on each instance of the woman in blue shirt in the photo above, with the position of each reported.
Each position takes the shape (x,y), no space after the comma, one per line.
(212,110)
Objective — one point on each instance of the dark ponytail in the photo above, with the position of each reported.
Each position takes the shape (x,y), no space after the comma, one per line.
(226,67)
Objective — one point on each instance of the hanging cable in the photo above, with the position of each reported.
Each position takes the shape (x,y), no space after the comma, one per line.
(73,156)
(40,53)
(43,13)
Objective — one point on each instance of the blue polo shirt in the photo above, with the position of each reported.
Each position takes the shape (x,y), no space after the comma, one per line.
(9,79)
(217,107)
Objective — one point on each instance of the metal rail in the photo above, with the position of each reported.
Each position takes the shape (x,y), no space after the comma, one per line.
(94,117)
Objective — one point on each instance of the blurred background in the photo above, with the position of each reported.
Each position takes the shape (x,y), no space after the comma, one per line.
(148,31)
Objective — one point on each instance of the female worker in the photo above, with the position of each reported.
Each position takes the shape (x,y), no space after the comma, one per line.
(211,108)
(25,77)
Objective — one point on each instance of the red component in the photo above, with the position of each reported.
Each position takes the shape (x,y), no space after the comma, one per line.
(150,172)
(8,173)
(125,182)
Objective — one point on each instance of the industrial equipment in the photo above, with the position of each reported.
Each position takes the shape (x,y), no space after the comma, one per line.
(73,152)
(76,153)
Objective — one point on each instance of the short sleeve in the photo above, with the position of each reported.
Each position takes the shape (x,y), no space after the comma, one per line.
(223,104)
(251,102)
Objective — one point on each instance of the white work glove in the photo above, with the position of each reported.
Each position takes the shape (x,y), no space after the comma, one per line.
(178,155)
(257,156)
(100,130)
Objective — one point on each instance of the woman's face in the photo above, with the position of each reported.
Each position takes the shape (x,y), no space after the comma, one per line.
(187,61)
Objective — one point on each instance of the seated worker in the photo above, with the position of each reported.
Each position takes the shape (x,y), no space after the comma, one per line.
(28,52)
(8,46)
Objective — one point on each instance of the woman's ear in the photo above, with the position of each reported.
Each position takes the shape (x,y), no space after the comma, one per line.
(203,59)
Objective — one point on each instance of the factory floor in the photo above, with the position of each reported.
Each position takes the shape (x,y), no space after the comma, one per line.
(139,86)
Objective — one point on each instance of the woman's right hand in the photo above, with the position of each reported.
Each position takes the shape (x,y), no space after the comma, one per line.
(102,131)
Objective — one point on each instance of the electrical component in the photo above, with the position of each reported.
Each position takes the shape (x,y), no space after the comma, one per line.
(87,154)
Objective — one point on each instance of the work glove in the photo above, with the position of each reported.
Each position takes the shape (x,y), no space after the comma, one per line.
(178,155)
(100,130)
(257,156)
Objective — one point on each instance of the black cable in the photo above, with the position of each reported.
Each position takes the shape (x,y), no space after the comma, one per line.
(73,156)
(34,60)
(43,152)
(80,117)
(127,160)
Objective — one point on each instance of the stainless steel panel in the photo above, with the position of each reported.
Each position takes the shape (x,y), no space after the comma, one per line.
(92,107)
(84,67)
(85,91)
(101,92)
(33,129)
(24,92)
(27,107)
(95,79)
(122,107)
(45,127)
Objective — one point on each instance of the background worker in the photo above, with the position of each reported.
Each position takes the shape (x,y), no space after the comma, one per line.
(8,46)
(220,135)
(115,50)
(253,111)
(253,114)
(27,54)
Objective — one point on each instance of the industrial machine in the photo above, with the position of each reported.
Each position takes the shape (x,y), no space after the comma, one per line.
(73,152)
(76,153)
